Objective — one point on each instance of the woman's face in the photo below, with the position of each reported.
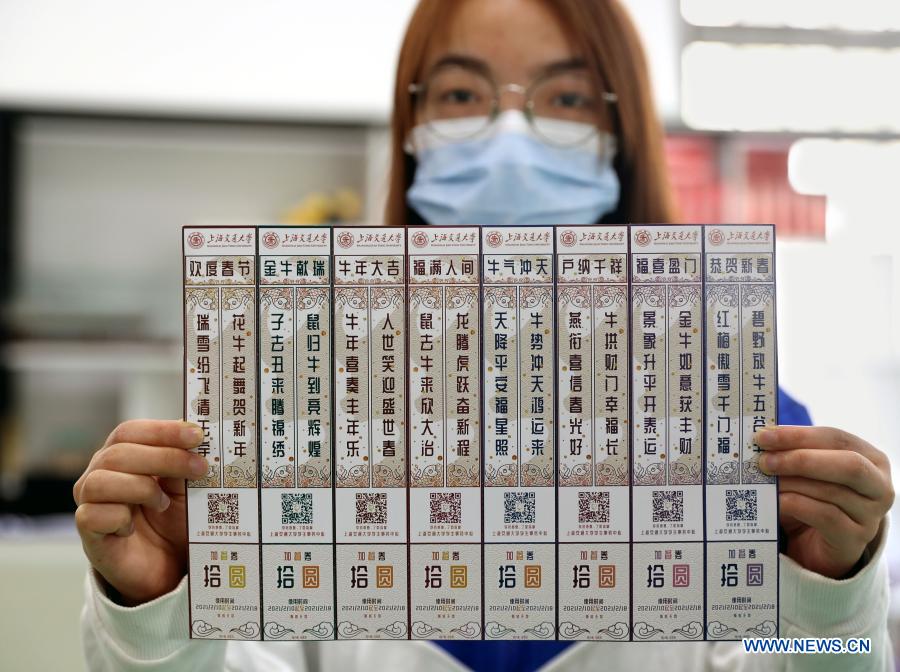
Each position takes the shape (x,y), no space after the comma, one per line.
(512,42)
(556,168)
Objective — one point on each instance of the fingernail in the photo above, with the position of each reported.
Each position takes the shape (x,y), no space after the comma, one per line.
(192,434)
(768,462)
(164,502)
(198,465)
(767,436)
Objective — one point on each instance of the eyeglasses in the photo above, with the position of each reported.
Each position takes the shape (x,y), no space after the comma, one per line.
(459,92)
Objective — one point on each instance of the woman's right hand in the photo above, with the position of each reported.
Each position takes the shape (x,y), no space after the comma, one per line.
(131,501)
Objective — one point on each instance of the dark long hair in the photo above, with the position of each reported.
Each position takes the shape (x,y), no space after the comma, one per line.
(606,36)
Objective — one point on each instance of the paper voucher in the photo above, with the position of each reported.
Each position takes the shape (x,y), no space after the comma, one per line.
(470,433)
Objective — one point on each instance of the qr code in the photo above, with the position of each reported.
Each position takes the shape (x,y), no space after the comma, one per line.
(371,508)
(223,508)
(668,506)
(518,507)
(740,505)
(296,508)
(446,507)
(593,507)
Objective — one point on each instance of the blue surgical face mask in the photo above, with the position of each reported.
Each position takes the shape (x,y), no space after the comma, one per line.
(510,176)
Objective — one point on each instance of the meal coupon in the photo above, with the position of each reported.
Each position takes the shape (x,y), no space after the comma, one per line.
(532,433)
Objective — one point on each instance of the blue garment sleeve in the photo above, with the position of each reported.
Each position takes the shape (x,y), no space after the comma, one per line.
(791,411)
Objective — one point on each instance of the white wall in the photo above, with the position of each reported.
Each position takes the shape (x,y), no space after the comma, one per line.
(41,581)
(836,305)
(316,59)
(839,299)
(283,58)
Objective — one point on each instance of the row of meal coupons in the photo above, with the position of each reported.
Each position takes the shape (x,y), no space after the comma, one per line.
(481,432)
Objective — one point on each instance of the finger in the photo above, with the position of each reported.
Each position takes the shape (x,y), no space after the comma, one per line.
(835,466)
(790,437)
(135,458)
(861,510)
(102,486)
(170,433)
(97,520)
(835,526)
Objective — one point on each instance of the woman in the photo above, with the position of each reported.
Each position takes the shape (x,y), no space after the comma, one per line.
(533,111)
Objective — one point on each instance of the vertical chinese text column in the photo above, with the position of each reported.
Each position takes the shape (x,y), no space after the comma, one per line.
(667,447)
(594,438)
(370,432)
(220,395)
(519,436)
(295,433)
(742,396)
(445,432)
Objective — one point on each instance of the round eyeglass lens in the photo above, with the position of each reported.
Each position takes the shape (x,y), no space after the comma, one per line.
(457,102)
(565,109)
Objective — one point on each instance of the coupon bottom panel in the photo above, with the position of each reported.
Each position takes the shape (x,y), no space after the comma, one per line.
(594,592)
(667,585)
(371,591)
(445,591)
(298,592)
(519,591)
(742,589)
(224,591)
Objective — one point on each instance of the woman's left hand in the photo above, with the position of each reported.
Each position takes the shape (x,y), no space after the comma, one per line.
(834,490)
